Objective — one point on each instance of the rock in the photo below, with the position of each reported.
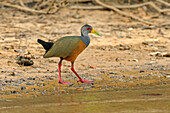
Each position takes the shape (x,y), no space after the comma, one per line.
(131,77)
(164,83)
(148,27)
(33,89)
(26,92)
(163,54)
(148,64)
(25,61)
(12,74)
(120,36)
(167,76)
(122,76)
(20,51)
(141,71)
(154,53)
(139,84)
(42,84)
(13,92)
(113,73)
(15,85)
(23,88)
(92,83)
(135,60)
(122,47)
(140,77)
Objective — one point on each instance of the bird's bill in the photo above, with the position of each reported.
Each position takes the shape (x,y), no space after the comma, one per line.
(95,32)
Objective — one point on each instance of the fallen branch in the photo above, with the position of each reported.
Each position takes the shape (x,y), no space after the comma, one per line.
(22,8)
(143,4)
(124,7)
(49,5)
(163,2)
(87,7)
(123,13)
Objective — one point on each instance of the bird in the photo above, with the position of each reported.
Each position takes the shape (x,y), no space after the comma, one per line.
(68,48)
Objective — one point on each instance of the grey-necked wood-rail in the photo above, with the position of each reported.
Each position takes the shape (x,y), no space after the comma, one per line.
(68,48)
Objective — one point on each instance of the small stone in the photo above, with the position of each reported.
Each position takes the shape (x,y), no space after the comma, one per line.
(13,92)
(70,85)
(12,74)
(131,77)
(164,83)
(139,84)
(147,75)
(113,73)
(122,76)
(167,76)
(25,61)
(29,78)
(141,71)
(33,89)
(43,84)
(92,83)
(15,85)
(120,36)
(139,77)
(148,64)
(135,60)
(23,88)
(26,92)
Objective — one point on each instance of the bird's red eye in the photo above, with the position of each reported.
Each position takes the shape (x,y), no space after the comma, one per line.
(88,28)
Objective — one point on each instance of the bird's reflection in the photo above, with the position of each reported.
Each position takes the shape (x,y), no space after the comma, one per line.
(59,97)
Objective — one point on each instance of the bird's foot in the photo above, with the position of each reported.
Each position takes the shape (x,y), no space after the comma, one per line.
(61,82)
(82,81)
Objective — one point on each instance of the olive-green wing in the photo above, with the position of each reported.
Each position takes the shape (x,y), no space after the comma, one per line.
(63,47)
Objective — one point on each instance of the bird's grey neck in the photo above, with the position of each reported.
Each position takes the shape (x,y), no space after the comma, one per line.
(85,39)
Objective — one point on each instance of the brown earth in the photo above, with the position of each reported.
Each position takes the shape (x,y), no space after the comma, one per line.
(126,49)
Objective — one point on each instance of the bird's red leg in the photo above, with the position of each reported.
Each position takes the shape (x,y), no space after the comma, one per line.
(59,70)
(80,80)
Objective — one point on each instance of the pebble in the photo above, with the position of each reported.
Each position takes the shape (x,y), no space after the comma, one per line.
(70,85)
(33,89)
(135,60)
(167,76)
(26,92)
(92,83)
(141,71)
(120,36)
(8,100)
(148,64)
(122,76)
(147,75)
(148,27)
(113,73)
(140,77)
(15,85)
(164,83)
(13,92)
(139,84)
(43,84)
(22,88)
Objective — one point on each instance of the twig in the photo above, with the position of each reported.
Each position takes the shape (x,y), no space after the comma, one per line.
(87,7)
(50,6)
(124,7)
(143,4)
(163,2)
(123,13)
(22,8)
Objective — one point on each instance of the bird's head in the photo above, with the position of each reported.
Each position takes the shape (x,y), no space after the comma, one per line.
(88,29)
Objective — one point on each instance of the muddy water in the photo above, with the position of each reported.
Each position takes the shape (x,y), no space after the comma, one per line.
(141,99)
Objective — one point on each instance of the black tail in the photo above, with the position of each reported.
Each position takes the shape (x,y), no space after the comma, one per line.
(46,45)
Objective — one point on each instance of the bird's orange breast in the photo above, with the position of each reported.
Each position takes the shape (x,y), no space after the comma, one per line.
(76,51)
